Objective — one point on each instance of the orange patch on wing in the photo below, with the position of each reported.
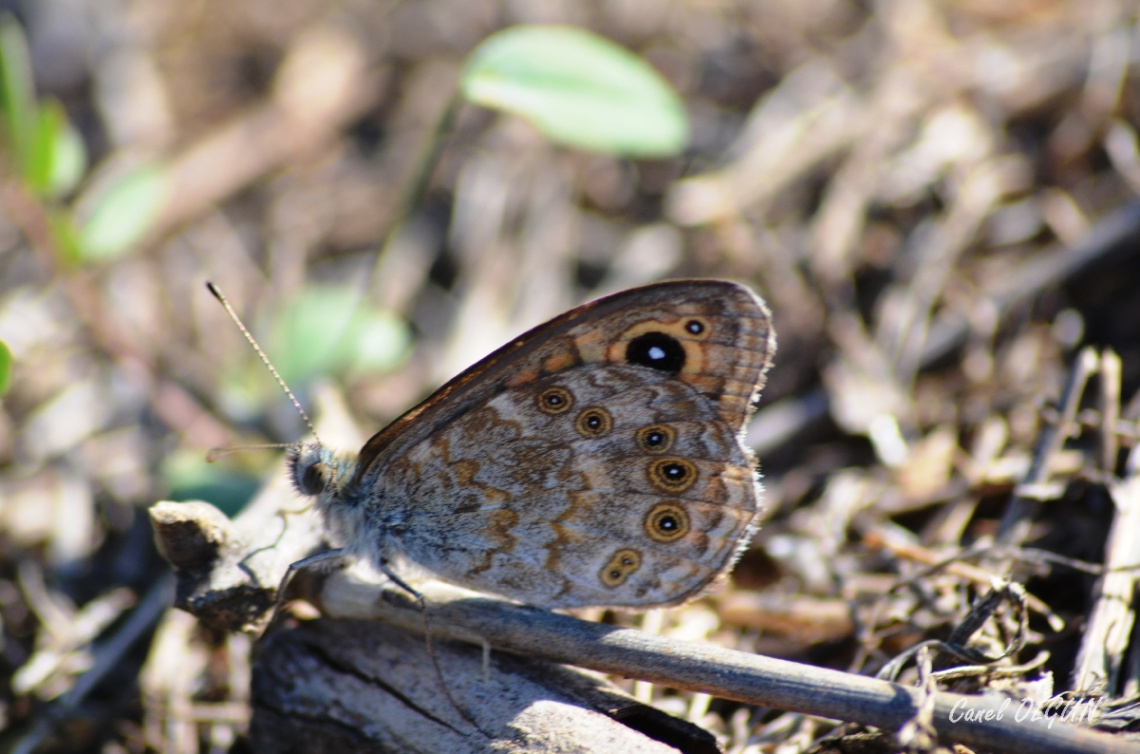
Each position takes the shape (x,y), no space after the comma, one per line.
(591,345)
(558,363)
(705,383)
(732,408)
(502,522)
(523,377)
(465,472)
(562,537)
(443,446)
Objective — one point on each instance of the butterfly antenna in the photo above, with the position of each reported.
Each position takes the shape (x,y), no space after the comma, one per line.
(213,454)
(221,297)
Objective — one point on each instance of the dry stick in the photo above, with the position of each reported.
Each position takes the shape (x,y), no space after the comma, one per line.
(1026,502)
(956,564)
(1130,672)
(1109,405)
(229,571)
(693,666)
(1106,640)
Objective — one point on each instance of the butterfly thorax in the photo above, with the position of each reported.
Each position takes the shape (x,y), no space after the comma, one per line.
(322,474)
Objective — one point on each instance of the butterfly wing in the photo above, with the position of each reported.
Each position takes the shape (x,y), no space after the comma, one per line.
(593,461)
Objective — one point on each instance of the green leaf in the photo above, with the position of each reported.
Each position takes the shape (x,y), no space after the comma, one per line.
(5,367)
(328,330)
(123,214)
(65,238)
(58,155)
(578,89)
(17,91)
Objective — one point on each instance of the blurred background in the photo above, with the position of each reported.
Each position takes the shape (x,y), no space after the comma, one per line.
(935,197)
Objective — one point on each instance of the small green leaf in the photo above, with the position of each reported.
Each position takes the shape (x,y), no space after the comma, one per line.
(17,91)
(65,237)
(58,155)
(328,330)
(578,89)
(123,214)
(5,367)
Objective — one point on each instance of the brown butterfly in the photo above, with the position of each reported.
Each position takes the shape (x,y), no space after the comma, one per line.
(595,460)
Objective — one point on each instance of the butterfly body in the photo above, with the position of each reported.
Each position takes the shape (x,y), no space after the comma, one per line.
(595,460)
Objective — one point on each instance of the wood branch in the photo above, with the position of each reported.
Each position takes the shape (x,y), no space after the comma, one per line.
(228,572)
(355,686)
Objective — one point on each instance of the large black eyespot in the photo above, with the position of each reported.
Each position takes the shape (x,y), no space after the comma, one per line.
(656,350)
(555,400)
(667,522)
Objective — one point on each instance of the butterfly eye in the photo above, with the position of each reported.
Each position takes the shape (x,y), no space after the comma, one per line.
(315,479)
(672,474)
(657,351)
(667,522)
(555,400)
(620,566)
(594,422)
(656,439)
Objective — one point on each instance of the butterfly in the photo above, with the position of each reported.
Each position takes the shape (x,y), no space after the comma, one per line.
(596,460)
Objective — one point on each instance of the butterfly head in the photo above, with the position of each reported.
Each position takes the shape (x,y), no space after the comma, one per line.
(319,473)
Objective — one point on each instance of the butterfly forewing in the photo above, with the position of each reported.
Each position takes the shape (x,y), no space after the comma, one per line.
(727,361)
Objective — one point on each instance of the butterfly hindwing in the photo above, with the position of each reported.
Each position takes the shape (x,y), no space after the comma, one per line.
(629,491)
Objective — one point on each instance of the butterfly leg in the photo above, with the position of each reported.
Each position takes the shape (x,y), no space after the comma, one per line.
(400,583)
(324,562)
